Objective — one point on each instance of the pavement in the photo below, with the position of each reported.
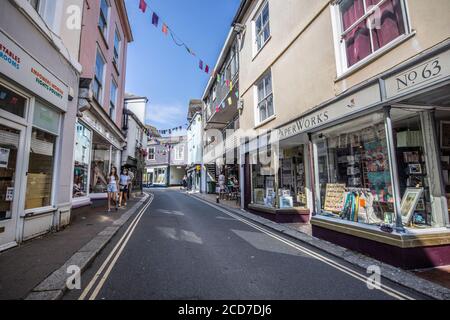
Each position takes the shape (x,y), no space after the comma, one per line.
(184,248)
(25,267)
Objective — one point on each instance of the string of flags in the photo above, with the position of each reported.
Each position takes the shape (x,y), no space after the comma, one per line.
(166,30)
(169,131)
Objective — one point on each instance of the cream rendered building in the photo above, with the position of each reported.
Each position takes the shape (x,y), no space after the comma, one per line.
(355,97)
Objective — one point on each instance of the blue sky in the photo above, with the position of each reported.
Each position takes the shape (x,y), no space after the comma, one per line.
(165,73)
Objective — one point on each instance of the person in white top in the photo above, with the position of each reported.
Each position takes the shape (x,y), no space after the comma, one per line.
(113,187)
(124,181)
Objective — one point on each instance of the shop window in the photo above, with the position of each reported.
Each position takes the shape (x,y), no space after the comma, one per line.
(100,167)
(82,160)
(265,98)
(9,144)
(366,26)
(40,169)
(412,169)
(12,102)
(353,172)
(292,179)
(263,180)
(443,125)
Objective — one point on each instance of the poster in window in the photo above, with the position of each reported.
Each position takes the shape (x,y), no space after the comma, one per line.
(4,157)
(409,203)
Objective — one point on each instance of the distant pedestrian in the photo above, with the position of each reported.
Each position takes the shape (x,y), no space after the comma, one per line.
(185,182)
(221,185)
(113,188)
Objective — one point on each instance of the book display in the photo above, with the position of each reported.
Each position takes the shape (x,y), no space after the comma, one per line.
(355,176)
(292,179)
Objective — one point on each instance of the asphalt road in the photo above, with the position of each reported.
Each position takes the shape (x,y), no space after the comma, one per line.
(182,248)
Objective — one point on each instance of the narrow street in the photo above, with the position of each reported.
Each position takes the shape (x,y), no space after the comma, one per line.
(183,248)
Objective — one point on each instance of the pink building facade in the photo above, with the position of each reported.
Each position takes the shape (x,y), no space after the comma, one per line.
(105,35)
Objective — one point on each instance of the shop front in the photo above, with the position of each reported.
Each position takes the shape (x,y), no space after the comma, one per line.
(194,178)
(97,150)
(34,103)
(280,184)
(381,174)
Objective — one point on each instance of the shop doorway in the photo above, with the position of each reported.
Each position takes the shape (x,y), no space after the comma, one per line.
(11,137)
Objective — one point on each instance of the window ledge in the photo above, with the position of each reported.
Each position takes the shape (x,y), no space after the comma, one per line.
(270,119)
(261,49)
(368,60)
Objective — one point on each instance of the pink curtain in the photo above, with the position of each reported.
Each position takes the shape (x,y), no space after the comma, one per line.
(392,24)
(351,11)
(358,44)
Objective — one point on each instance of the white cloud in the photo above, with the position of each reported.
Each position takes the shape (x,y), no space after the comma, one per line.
(166,116)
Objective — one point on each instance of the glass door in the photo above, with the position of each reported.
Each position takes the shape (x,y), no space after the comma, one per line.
(11,137)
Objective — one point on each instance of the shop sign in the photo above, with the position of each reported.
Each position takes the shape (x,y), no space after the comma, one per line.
(341,108)
(420,76)
(18,65)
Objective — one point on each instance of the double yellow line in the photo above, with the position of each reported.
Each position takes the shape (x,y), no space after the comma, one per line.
(99,280)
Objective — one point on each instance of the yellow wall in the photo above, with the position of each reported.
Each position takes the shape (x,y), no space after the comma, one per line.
(301,53)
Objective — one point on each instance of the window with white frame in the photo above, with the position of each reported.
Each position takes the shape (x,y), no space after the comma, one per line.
(262,27)
(179,153)
(151,154)
(113,101)
(265,97)
(49,11)
(117,43)
(366,26)
(103,19)
(97,85)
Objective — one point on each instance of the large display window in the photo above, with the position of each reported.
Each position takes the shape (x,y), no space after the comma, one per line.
(100,167)
(443,128)
(413,178)
(353,171)
(40,169)
(82,156)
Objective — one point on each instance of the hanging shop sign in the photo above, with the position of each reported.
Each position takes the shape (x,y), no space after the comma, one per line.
(419,76)
(350,104)
(18,65)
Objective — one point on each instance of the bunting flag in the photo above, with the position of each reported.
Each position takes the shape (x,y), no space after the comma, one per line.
(230,101)
(143,6)
(155,19)
(165,29)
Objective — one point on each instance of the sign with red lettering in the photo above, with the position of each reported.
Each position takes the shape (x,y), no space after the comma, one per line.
(21,67)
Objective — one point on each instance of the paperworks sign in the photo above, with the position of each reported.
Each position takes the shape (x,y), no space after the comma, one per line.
(18,65)
(419,76)
(362,99)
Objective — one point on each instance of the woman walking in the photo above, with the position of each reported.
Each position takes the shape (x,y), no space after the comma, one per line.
(113,188)
(124,182)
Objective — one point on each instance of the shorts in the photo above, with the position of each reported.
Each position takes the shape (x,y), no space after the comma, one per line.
(123,188)
(112,187)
